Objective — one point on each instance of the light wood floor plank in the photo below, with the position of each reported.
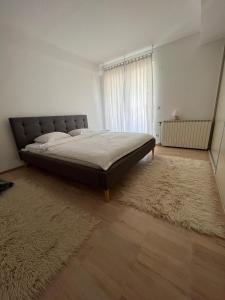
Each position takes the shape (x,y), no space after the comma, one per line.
(134,256)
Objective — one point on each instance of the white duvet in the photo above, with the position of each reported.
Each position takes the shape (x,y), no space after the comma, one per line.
(101,148)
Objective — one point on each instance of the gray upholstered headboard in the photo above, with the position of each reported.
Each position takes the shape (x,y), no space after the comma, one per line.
(25,130)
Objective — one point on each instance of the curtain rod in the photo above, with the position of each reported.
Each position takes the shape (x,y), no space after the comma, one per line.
(127,59)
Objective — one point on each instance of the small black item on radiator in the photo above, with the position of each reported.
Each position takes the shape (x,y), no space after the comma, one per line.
(4,185)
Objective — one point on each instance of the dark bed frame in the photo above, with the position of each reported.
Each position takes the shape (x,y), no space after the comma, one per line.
(26,129)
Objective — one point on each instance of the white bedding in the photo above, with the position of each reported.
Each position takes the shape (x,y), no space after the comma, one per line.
(100,148)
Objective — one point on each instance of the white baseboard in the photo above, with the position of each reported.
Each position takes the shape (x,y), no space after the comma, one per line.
(212,162)
(11,166)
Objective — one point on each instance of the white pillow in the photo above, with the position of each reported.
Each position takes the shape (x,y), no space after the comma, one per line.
(50,137)
(80,131)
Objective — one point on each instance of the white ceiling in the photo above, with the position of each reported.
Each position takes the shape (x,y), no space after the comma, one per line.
(213,20)
(100,30)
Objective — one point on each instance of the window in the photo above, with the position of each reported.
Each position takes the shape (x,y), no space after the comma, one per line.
(128,96)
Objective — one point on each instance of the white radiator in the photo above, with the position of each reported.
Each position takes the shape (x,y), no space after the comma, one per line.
(186,134)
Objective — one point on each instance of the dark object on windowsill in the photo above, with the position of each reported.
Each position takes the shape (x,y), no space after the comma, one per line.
(4,185)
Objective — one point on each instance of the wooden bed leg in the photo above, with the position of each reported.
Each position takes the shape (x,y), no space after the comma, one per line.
(107,195)
(153,153)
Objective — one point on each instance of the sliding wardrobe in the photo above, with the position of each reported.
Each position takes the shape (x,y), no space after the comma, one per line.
(218,141)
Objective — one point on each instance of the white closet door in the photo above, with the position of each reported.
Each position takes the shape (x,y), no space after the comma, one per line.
(220,172)
(219,123)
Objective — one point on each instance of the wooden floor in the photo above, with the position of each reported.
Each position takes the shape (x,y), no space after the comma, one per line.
(133,256)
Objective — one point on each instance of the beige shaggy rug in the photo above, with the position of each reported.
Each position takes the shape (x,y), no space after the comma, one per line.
(42,225)
(180,190)
(40,228)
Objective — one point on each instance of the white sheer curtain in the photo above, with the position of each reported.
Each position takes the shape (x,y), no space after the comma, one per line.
(128,96)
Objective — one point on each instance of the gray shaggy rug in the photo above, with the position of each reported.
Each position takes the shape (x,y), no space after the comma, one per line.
(180,190)
(40,228)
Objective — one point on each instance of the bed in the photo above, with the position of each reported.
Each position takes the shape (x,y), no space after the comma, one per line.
(26,129)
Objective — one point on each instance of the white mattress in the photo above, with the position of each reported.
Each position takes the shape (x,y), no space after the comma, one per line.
(100,149)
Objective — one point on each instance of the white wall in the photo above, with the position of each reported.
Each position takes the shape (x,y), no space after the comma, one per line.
(186,78)
(37,79)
